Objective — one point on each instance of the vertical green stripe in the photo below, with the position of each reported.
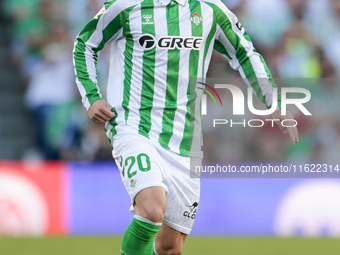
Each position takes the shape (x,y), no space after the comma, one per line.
(221,49)
(208,42)
(129,45)
(113,122)
(109,3)
(271,80)
(110,141)
(245,35)
(172,15)
(91,89)
(149,60)
(197,30)
(108,32)
(241,53)
(113,27)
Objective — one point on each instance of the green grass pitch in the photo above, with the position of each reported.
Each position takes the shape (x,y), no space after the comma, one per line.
(193,246)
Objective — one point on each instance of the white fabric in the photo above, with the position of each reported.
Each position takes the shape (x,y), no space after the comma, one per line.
(168,170)
(140,218)
(130,120)
(154,248)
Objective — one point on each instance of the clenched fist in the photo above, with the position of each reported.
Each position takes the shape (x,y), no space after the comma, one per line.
(100,112)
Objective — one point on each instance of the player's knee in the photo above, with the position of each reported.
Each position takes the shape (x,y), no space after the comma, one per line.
(171,246)
(154,214)
(170,249)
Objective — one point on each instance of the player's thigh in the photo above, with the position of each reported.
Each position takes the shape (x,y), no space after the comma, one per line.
(184,195)
(169,240)
(150,203)
(139,163)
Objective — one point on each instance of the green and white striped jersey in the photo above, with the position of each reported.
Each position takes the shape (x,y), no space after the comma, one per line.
(157,49)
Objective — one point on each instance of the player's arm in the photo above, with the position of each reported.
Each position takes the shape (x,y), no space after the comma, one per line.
(233,42)
(102,29)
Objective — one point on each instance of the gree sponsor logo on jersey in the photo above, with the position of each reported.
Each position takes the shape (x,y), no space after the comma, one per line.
(191,213)
(149,42)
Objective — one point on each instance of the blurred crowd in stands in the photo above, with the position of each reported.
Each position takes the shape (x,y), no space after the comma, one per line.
(297,38)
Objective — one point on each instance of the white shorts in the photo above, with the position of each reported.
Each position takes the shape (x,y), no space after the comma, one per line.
(144,163)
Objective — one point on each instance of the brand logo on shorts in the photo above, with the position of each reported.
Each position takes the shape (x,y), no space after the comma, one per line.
(193,211)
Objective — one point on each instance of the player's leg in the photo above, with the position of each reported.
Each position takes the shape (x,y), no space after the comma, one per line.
(138,162)
(150,205)
(182,204)
(169,241)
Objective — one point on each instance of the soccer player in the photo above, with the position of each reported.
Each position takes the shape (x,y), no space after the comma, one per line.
(158,47)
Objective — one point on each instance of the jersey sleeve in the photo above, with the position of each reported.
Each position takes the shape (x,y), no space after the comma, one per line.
(233,42)
(102,29)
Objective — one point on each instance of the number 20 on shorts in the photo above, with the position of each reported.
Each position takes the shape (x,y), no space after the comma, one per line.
(143,162)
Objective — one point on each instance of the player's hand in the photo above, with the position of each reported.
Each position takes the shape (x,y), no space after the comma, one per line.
(100,112)
(292,131)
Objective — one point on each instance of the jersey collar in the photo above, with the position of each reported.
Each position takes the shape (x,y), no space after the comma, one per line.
(167,2)
(182,2)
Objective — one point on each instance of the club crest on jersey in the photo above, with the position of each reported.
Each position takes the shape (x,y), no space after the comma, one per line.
(147,19)
(195,17)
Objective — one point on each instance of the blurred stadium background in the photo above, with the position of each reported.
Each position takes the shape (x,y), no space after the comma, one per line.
(57,176)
